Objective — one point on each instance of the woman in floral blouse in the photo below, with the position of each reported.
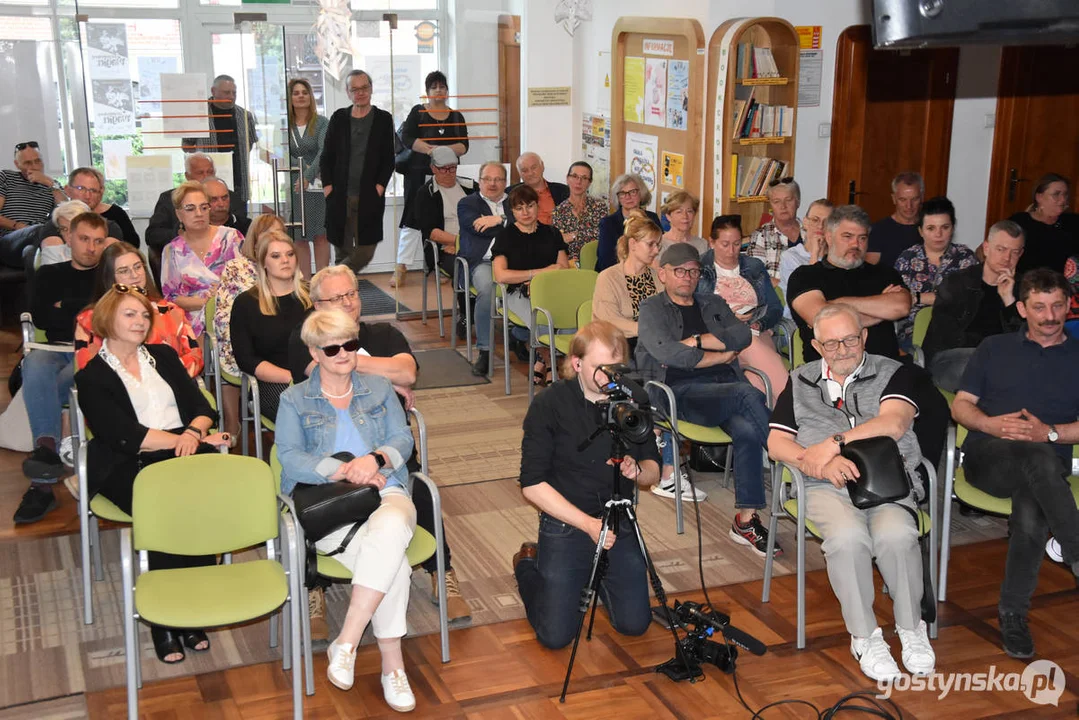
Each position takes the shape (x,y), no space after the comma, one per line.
(578,216)
(924,266)
(191,264)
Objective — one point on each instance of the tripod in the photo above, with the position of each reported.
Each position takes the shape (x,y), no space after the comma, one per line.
(615,507)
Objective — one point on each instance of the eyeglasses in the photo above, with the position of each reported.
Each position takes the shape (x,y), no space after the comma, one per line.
(118,287)
(781,181)
(680,272)
(348,297)
(628,193)
(24,145)
(575,176)
(350,347)
(204,207)
(851,341)
(130,271)
(445,168)
(360,89)
(83,188)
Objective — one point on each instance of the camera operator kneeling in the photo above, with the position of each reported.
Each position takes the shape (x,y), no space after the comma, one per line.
(570,485)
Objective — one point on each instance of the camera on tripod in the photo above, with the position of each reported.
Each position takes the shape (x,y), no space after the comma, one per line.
(627,407)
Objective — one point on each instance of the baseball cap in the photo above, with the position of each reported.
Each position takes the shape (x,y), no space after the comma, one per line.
(443,157)
(679,254)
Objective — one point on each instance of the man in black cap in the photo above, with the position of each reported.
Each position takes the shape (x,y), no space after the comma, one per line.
(691,342)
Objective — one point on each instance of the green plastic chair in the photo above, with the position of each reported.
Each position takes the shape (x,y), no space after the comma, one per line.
(584,313)
(589,255)
(499,313)
(209,505)
(922,318)
(784,476)
(557,296)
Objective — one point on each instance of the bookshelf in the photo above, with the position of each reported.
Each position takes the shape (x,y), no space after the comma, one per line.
(771,142)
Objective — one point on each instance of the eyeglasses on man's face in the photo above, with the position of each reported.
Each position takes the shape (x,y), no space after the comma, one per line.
(345,298)
(87,189)
(851,341)
(681,272)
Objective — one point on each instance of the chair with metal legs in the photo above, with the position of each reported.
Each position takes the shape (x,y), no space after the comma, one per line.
(556,298)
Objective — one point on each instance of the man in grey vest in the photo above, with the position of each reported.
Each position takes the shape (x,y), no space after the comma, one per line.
(850,395)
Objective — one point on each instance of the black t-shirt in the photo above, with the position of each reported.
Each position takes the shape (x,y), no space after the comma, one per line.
(986,321)
(380,340)
(528,251)
(834,283)
(558,421)
(693,324)
(260,338)
(890,238)
(1047,246)
(64,284)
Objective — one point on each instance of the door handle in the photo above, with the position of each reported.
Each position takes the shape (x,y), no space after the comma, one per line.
(852,193)
(1013,183)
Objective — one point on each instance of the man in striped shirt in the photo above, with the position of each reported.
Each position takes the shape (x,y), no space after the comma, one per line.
(27,194)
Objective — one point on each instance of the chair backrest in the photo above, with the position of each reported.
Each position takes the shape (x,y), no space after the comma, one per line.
(799,350)
(275,467)
(584,313)
(204,505)
(589,255)
(561,293)
(779,294)
(921,325)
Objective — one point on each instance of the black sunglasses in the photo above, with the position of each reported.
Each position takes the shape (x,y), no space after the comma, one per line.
(781,181)
(351,346)
(128,288)
(22,146)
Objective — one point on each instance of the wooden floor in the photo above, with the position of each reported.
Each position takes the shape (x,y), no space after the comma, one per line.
(500,671)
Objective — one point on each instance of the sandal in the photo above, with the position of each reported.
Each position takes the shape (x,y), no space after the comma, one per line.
(166,643)
(540,374)
(192,639)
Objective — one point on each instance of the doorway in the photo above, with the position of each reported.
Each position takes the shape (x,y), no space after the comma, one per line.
(1037,125)
(892,113)
(509,91)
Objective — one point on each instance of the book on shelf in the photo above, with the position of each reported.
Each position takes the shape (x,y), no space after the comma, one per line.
(755,62)
(751,175)
(757,120)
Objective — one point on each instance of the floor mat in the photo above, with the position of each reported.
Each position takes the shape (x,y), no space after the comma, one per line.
(444,368)
(377,302)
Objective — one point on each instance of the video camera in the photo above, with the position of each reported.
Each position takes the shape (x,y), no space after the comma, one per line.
(628,408)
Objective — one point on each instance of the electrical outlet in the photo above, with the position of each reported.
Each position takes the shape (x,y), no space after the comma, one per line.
(824,130)
(990,120)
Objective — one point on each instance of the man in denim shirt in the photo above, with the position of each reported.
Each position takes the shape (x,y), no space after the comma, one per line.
(691,342)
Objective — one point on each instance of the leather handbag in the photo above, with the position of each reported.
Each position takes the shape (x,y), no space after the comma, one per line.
(402,155)
(882,475)
(323,508)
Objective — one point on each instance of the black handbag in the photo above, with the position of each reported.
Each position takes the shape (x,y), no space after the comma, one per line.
(882,476)
(402,156)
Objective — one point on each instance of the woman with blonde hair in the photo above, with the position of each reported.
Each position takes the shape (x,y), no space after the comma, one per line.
(191,264)
(621,288)
(306,137)
(628,192)
(680,209)
(264,317)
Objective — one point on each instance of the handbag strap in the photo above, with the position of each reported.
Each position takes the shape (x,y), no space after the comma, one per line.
(347,539)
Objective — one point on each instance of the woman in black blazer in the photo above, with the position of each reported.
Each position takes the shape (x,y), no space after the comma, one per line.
(142,407)
(357,240)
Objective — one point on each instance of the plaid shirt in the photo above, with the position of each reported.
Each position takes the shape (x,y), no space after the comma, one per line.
(768,243)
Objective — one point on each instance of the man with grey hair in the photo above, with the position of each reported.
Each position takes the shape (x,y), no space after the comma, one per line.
(356,166)
(217,192)
(783,231)
(232,129)
(551,194)
(973,304)
(876,397)
(894,234)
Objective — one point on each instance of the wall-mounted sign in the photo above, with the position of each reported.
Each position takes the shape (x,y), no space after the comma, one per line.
(425,36)
(651,46)
(548,96)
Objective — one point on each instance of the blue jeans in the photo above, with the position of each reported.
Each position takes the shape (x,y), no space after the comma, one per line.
(483,281)
(551,584)
(47,378)
(738,409)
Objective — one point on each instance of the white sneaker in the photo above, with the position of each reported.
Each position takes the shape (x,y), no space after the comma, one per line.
(918,655)
(874,656)
(398,693)
(1052,549)
(665,488)
(342,668)
(67,451)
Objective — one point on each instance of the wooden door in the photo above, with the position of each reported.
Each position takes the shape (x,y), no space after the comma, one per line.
(509,91)
(1037,125)
(892,113)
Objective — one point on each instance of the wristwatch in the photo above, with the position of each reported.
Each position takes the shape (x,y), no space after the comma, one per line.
(839,440)
(378,458)
(697,338)
(1053,434)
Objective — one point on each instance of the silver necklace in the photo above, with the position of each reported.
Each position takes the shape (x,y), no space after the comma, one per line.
(338,397)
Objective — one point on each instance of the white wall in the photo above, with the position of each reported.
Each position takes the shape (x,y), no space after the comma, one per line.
(556,135)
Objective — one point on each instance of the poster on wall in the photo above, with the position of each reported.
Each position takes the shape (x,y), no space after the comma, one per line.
(596,150)
(113,105)
(655,92)
(633,90)
(673,166)
(677,94)
(116,152)
(150,70)
(810,65)
(186,111)
(147,177)
(407,83)
(641,154)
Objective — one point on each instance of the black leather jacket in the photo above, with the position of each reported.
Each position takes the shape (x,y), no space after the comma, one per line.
(958,299)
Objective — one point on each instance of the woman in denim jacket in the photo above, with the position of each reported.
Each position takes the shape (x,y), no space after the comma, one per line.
(338,410)
(744,283)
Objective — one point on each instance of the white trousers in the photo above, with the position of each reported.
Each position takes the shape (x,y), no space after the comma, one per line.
(376,555)
(409,246)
